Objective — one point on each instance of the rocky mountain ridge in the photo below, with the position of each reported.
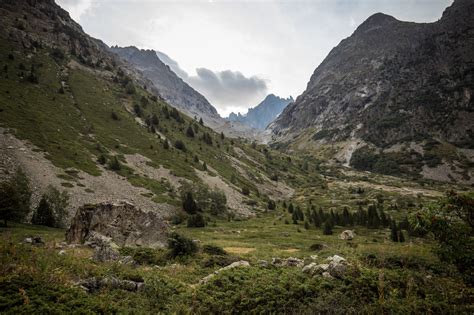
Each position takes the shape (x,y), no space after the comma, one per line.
(396,90)
(264,113)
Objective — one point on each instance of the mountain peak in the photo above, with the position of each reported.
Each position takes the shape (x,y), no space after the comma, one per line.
(376,20)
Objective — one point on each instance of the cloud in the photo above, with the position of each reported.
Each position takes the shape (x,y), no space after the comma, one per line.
(228,90)
(76,8)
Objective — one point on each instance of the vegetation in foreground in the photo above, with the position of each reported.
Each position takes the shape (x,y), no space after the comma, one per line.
(392,277)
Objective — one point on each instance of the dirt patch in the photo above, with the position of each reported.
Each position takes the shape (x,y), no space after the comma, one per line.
(235,200)
(239,250)
(109,186)
(290,250)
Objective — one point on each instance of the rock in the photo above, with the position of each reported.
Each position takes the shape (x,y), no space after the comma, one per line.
(62,252)
(122,223)
(105,253)
(347,235)
(336,259)
(95,284)
(327,275)
(338,270)
(95,239)
(262,263)
(314,257)
(127,260)
(288,262)
(34,240)
(237,264)
(315,269)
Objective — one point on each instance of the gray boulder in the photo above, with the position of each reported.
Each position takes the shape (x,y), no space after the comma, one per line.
(347,235)
(95,284)
(119,223)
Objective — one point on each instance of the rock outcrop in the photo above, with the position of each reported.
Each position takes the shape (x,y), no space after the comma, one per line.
(389,85)
(347,235)
(122,223)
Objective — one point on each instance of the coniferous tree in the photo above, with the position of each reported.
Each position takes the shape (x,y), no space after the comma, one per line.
(189,205)
(345,217)
(401,237)
(373,220)
(44,214)
(393,232)
(15,196)
(166,145)
(291,208)
(294,217)
(190,132)
(327,229)
(306,225)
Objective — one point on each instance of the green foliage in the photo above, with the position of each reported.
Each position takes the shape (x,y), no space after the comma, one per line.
(130,88)
(143,255)
(181,246)
(190,132)
(44,214)
(114,164)
(327,228)
(214,250)
(245,191)
(196,220)
(178,144)
(271,205)
(451,221)
(15,196)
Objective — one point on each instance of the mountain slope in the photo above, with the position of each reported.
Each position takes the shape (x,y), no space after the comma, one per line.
(172,88)
(264,113)
(398,92)
(73,115)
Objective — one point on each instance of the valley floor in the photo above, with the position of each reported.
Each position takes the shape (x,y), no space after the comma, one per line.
(390,278)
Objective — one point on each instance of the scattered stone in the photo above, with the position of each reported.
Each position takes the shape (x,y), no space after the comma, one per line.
(105,253)
(327,275)
(347,235)
(237,264)
(336,259)
(95,240)
(314,257)
(34,240)
(127,260)
(95,284)
(262,263)
(315,269)
(62,252)
(122,222)
(288,262)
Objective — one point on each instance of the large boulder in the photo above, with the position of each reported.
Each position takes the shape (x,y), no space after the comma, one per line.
(347,235)
(121,223)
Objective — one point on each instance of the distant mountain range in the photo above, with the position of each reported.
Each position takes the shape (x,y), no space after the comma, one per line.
(264,113)
(395,97)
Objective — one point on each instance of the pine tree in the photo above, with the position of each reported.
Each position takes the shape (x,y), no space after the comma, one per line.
(44,214)
(189,205)
(345,217)
(401,237)
(222,136)
(154,120)
(201,122)
(290,208)
(115,164)
(166,145)
(306,225)
(294,217)
(190,132)
(393,232)
(327,229)
(373,220)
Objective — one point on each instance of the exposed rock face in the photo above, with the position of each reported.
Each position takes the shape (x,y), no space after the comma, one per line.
(264,113)
(390,82)
(122,222)
(237,264)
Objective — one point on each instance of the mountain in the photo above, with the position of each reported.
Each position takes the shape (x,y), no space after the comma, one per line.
(395,97)
(172,88)
(264,113)
(75,116)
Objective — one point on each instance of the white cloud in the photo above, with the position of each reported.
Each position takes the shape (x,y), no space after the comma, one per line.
(76,8)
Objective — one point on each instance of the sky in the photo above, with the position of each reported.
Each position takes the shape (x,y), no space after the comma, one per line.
(237,52)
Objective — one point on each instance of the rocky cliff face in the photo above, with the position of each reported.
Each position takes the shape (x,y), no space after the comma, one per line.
(264,113)
(391,84)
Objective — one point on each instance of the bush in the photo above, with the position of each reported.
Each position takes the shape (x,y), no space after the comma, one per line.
(196,220)
(142,255)
(15,195)
(44,214)
(114,164)
(178,144)
(130,88)
(181,246)
(245,191)
(214,250)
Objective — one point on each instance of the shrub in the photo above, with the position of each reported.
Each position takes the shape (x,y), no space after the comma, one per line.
(114,164)
(178,144)
(44,214)
(214,250)
(196,220)
(245,191)
(316,247)
(181,246)
(190,132)
(15,195)
(166,145)
(143,255)
(114,116)
(130,88)
(271,205)
(102,159)
(137,110)
(327,229)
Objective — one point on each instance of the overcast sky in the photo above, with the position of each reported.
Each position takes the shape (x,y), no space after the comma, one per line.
(236,52)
